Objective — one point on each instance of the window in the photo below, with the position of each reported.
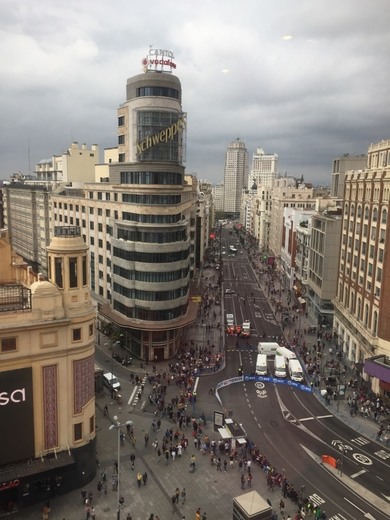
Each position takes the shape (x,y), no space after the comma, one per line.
(121,120)
(121,157)
(121,139)
(91,225)
(8,344)
(92,241)
(84,267)
(58,271)
(92,424)
(78,431)
(76,335)
(73,272)
(90,330)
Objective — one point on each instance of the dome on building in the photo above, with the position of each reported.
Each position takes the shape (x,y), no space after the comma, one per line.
(44,288)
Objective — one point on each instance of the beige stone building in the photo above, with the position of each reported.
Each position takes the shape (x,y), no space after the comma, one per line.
(286,193)
(47,336)
(362,307)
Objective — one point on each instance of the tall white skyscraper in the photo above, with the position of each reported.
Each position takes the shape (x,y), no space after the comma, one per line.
(235,175)
(264,168)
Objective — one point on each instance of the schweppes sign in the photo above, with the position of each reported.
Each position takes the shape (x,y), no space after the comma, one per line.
(163,136)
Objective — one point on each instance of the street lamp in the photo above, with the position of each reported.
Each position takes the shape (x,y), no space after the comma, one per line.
(118,426)
(112,367)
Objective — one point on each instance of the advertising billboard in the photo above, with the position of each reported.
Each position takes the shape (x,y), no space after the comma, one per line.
(16,416)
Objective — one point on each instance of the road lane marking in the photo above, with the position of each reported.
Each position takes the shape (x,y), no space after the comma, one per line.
(318,417)
(358,473)
(363,459)
(361,441)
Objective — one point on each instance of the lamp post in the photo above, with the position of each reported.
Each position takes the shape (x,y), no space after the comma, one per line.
(118,426)
(112,367)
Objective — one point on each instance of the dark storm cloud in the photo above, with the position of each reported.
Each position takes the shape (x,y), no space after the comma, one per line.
(306,80)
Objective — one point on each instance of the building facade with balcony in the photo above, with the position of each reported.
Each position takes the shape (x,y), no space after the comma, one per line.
(362,308)
(47,342)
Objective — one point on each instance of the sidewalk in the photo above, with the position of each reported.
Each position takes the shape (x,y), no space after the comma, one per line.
(330,356)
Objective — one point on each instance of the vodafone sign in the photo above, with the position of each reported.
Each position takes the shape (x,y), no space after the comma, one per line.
(159,60)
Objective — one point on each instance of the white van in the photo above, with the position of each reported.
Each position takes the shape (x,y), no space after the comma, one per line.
(111,381)
(286,352)
(261,365)
(295,370)
(268,348)
(280,366)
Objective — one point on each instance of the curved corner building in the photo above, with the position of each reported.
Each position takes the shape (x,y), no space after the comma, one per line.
(152,233)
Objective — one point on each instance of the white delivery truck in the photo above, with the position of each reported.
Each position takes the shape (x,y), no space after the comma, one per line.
(286,352)
(268,348)
(261,365)
(280,366)
(295,370)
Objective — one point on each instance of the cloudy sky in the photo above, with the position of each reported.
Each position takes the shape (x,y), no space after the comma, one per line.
(306,79)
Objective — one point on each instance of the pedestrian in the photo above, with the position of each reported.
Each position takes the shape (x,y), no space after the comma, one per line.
(132,461)
(158,456)
(139,479)
(224,465)
(93,513)
(146,440)
(183,496)
(83,495)
(197,514)
(173,500)
(129,517)
(204,517)
(145,478)
(177,495)
(281,506)
(249,479)
(242,482)
(45,511)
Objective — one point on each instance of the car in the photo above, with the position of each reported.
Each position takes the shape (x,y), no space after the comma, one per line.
(229,291)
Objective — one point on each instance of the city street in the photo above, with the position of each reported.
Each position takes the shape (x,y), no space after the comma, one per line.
(292,428)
